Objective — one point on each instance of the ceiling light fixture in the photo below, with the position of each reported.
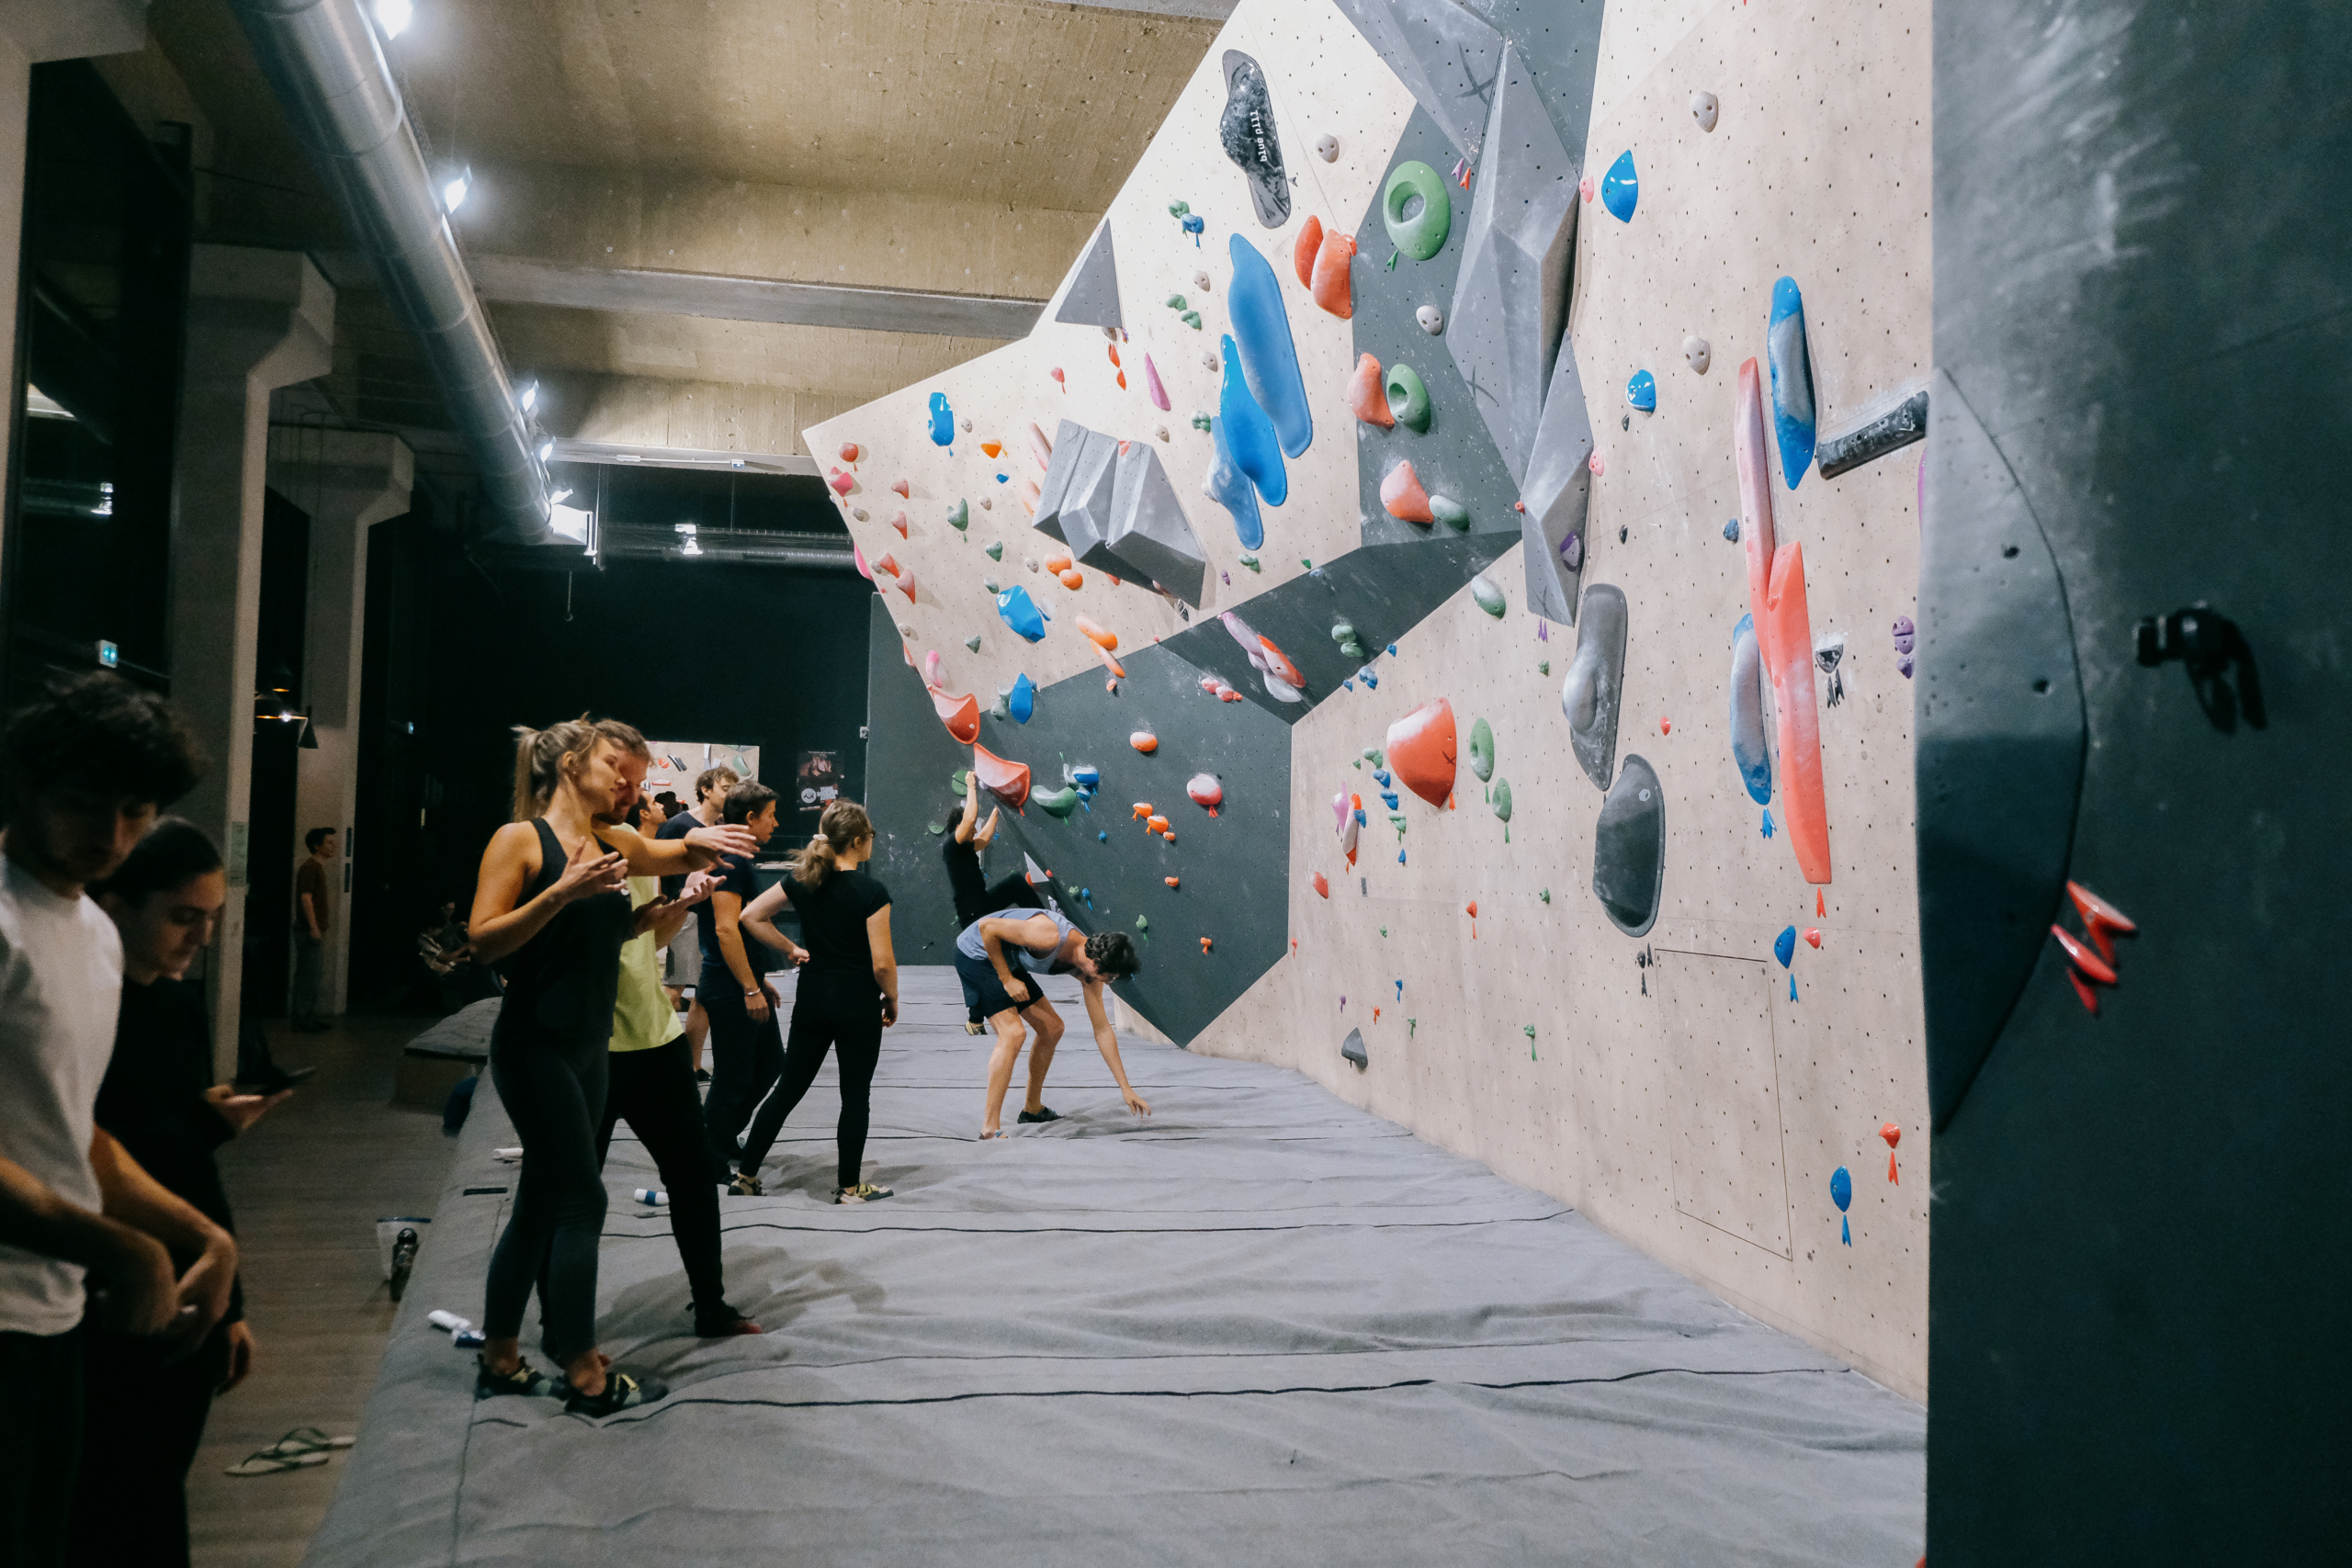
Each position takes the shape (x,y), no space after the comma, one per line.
(547,449)
(529,396)
(454,189)
(393,15)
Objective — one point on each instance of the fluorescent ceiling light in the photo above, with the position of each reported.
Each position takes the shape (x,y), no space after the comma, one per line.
(546,450)
(559,495)
(454,189)
(393,15)
(570,522)
(528,395)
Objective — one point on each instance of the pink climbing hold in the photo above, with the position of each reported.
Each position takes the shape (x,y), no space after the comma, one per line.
(1040,449)
(841,482)
(932,675)
(1586,186)
(1813,935)
(899,523)
(900,486)
(864,570)
(906,585)
(1206,791)
(1151,384)
(1056,374)
(1594,462)
(1402,494)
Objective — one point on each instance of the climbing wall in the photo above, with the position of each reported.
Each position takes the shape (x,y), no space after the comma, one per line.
(1630,917)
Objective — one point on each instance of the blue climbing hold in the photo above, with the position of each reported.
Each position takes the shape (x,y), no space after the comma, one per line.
(1619,189)
(1400,990)
(1193,226)
(1347,684)
(1784,344)
(1361,821)
(1249,433)
(1731,530)
(1767,821)
(1087,776)
(1020,612)
(1102,838)
(1269,354)
(1641,390)
(1749,752)
(1841,1188)
(942,420)
(1400,857)
(1230,488)
(999,479)
(1392,649)
(1383,776)
(1845,1230)
(1022,700)
(1784,946)
(1388,798)
(1371,681)
(1793,987)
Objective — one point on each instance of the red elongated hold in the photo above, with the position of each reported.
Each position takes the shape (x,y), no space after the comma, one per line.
(1112,350)
(1302,253)
(1322,886)
(1279,661)
(1776,596)
(1402,494)
(1005,779)
(1123,380)
(1422,751)
(1157,825)
(906,585)
(1892,1133)
(2082,989)
(848,451)
(887,564)
(1890,1169)
(2102,919)
(1820,904)
(1100,636)
(1331,286)
(1206,791)
(899,523)
(1366,398)
(900,486)
(1375,1015)
(1144,741)
(1170,880)
(2090,964)
(960,715)
(1813,935)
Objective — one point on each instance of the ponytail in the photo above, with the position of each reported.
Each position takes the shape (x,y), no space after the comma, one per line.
(838,831)
(542,757)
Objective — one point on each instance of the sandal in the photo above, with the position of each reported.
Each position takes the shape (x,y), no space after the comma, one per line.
(268,1463)
(623,1390)
(306,1440)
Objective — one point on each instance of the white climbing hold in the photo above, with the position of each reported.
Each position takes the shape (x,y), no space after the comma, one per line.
(1326,147)
(1433,320)
(1696,350)
(1703,108)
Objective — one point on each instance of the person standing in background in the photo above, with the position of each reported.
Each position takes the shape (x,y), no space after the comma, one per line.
(685,951)
(746,1045)
(314,917)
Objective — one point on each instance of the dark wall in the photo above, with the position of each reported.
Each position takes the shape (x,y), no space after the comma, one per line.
(909,757)
(2139,1298)
(760,656)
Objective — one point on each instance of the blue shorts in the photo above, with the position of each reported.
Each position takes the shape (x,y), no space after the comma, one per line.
(984,993)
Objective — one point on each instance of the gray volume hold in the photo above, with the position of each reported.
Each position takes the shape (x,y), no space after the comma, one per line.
(1352,1049)
(1148,528)
(1447,57)
(1092,299)
(1874,437)
(1247,131)
(1589,692)
(1558,494)
(1629,849)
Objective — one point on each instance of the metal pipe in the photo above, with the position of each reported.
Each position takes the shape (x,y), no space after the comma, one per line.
(326,63)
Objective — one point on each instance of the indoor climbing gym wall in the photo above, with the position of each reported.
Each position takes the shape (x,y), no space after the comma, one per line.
(1441,575)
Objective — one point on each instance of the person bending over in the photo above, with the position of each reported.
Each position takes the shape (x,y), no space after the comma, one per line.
(849,992)
(746,1046)
(685,953)
(552,902)
(999,958)
(82,774)
(654,1085)
(146,1410)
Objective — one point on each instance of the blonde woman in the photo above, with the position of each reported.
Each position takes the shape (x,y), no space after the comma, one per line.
(552,910)
(849,991)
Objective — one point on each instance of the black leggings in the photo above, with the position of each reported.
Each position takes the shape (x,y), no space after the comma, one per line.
(654,1090)
(144,1420)
(746,1053)
(553,1088)
(848,1019)
(972,900)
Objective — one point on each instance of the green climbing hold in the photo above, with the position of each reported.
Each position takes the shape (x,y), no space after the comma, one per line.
(1411,1025)
(1200,421)
(1409,397)
(959,516)
(959,780)
(1450,512)
(989,583)
(1345,635)
(1528,1030)
(973,642)
(1178,208)
(1502,801)
(934,828)
(1251,562)
(1307,561)
(1191,319)
(1482,750)
(1176,302)
(996,552)
(1398,822)
(1372,755)
(1489,597)
(1545,894)
(1543,667)
(1384,930)
(1415,211)
(1142,923)
(1056,803)
(1003,707)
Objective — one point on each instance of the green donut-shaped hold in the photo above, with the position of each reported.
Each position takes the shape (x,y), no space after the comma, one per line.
(1423,235)
(1408,399)
(1482,751)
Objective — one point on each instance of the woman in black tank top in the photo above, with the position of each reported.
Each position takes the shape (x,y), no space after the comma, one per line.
(551,910)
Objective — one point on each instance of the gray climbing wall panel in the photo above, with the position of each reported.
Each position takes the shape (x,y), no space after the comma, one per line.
(1093,298)
(909,757)
(1148,528)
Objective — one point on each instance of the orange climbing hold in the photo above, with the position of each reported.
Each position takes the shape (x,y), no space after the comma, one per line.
(1402,494)
(993,448)
(1302,252)
(1813,935)
(1100,636)
(1170,880)
(1332,287)
(1113,349)
(1057,563)
(1073,579)
(1005,779)
(1422,751)
(1030,496)
(1893,1134)
(1143,808)
(1144,741)
(1110,662)
(1366,399)
(1322,886)
(848,451)
(1123,380)
(1471,909)
(1205,944)
(900,486)
(887,564)
(960,715)
(899,523)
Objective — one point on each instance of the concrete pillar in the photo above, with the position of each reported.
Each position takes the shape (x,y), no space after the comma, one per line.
(257,320)
(347,480)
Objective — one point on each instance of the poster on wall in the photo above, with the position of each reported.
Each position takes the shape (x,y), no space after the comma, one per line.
(677,763)
(818,781)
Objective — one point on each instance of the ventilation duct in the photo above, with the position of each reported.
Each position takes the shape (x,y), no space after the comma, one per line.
(323,60)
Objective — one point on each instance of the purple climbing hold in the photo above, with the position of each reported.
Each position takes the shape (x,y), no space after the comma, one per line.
(1572,552)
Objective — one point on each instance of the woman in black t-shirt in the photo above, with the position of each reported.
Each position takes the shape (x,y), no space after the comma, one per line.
(849,991)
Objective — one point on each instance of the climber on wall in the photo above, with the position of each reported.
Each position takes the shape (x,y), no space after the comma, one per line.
(1044,942)
(975,895)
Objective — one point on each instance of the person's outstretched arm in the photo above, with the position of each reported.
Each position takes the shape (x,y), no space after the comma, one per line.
(697,849)
(970,822)
(1107,1041)
(987,834)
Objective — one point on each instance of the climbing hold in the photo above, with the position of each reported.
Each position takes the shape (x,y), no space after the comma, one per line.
(907,585)
(996,550)
(1330,283)
(1205,944)
(1820,904)
(1152,385)
(1776,594)
(1268,354)
(1641,392)
(1246,431)
(1170,880)
(1349,809)
(1366,399)
(1450,512)
(1792,411)
(2101,919)
(850,450)
(1251,562)
(1619,189)
(1409,397)
(1344,634)
(942,420)
(1500,799)
(1422,750)
(1058,803)
(1302,252)
(1813,936)
(1589,692)
(2089,964)
(1842,1192)
(1731,532)
(1073,579)
(1666,726)
(1021,613)
(1245,129)
(1144,741)
(1322,886)
(840,481)
(959,516)
(1326,147)
(1696,353)
(973,642)
(1482,750)
(1629,849)
(1749,752)
(1471,909)
(1157,825)
(1402,494)
(960,715)
(1022,699)
(1784,946)
(1352,1049)
(1432,319)
(1101,637)
(1112,349)
(996,448)
(1490,598)
(1230,488)
(1007,780)
(1415,211)
(1206,791)
(1703,108)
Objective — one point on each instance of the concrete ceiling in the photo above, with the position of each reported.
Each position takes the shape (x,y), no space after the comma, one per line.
(646,169)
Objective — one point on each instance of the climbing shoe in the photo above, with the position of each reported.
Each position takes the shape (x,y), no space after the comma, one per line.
(1042,1114)
(863,1193)
(623,1390)
(525,1379)
(746,1184)
(722,1322)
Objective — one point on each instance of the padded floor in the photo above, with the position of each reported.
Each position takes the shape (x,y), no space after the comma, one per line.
(1260,1326)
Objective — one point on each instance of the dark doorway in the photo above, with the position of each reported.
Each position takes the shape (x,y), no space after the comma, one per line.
(277,665)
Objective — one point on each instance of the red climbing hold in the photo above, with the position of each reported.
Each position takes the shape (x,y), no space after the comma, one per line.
(2082,989)
(1302,255)
(1402,494)
(848,451)
(1471,909)
(1666,726)
(1366,398)
(840,481)
(1112,350)
(1813,935)
(1330,284)
(1322,886)
(899,523)
(2091,964)
(1206,791)
(1820,904)
(2101,919)
(960,715)
(1170,880)
(900,486)
(1007,780)
(1422,751)
(1893,1134)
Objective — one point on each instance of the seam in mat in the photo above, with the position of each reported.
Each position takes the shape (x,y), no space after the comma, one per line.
(1108,1230)
(1212,1355)
(654,1412)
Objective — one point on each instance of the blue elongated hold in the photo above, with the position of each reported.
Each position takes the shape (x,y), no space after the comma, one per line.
(1022,701)
(1248,434)
(1793,987)
(1784,946)
(1767,821)
(1641,390)
(1841,1188)
(1268,357)
(1749,753)
(1619,189)
(942,420)
(1791,361)
(1021,613)
(1229,487)
(1845,1230)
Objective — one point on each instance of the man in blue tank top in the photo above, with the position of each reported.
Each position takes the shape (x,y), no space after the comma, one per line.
(999,957)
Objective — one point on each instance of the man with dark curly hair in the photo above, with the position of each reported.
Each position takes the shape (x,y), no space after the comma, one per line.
(998,958)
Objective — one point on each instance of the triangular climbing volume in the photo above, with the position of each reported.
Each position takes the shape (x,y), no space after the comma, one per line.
(1094,297)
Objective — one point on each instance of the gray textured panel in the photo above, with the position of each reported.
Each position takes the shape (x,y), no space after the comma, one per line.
(1511,300)
(1629,849)
(908,759)
(1148,528)
(1444,56)
(1560,41)
(1094,297)
(2000,746)
(1589,691)
(1558,493)
(1084,512)
(1070,445)
(524,281)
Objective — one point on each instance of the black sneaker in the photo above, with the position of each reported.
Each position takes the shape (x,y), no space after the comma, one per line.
(701,1074)
(526,1380)
(1042,1114)
(722,1322)
(623,1390)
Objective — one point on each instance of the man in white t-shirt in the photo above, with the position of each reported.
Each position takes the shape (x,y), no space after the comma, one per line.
(82,772)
